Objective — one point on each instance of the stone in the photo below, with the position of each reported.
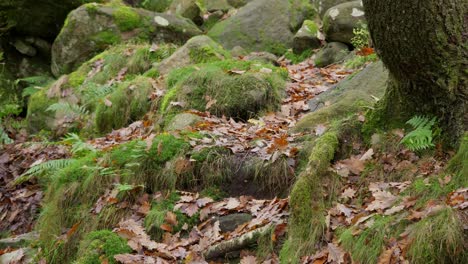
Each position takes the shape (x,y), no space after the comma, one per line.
(261,25)
(19,240)
(333,52)
(93,27)
(307,37)
(323,5)
(197,50)
(24,48)
(186,8)
(212,19)
(339,21)
(263,56)
(238,51)
(182,121)
(215,5)
(238,3)
(348,96)
(229,223)
(22,255)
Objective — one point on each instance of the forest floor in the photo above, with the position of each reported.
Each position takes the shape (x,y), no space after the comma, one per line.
(371,196)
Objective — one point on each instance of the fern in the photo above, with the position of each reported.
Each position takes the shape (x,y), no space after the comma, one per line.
(48,166)
(422,135)
(79,147)
(67,108)
(4,138)
(33,84)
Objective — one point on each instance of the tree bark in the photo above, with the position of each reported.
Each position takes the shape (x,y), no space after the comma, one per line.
(424,44)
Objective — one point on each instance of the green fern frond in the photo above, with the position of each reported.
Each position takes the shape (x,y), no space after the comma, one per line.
(48,166)
(422,135)
(4,138)
(421,122)
(79,147)
(68,108)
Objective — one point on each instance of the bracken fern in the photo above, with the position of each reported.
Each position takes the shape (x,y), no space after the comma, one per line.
(422,135)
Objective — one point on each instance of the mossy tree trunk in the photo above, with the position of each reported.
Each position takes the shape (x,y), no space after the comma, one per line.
(424,44)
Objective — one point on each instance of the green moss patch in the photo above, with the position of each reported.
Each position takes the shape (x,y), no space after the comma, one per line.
(307,206)
(100,246)
(238,89)
(107,92)
(126,18)
(129,102)
(156,217)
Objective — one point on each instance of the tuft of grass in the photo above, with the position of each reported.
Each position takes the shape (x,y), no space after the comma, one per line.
(368,245)
(439,239)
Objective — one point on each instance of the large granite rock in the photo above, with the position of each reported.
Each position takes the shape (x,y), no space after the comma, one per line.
(339,21)
(306,37)
(333,52)
(186,8)
(261,25)
(197,50)
(323,5)
(92,28)
(349,96)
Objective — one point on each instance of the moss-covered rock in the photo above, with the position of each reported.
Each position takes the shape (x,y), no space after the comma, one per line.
(262,25)
(347,97)
(216,5)
(105,93)
(299,11)
(156,5)
(127,103)
(92,28)
(39,19)
(199,49)
(306,37)
(102,245)
(238,89)
(323,5)
(182,121)
(339,21)
(186,8)
(333,52)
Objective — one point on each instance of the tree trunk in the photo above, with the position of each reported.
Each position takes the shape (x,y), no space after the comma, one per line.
(424,44)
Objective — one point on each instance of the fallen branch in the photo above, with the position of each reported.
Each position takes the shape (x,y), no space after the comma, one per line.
(235,244)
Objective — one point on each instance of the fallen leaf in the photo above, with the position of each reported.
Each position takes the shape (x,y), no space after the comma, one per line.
(335,254)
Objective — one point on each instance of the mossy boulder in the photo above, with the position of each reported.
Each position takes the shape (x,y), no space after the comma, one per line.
(238,89)
(339,21)
(100,246)
(238,3)
(186,8)
(36,18)
(199,49)
(127,103)
(182,121)
(262,25)
(299,11)
(93,27)
(216,5)
(105,93)
(156,5)
(347,97)
(323,5)
(306,37)
(333,52)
